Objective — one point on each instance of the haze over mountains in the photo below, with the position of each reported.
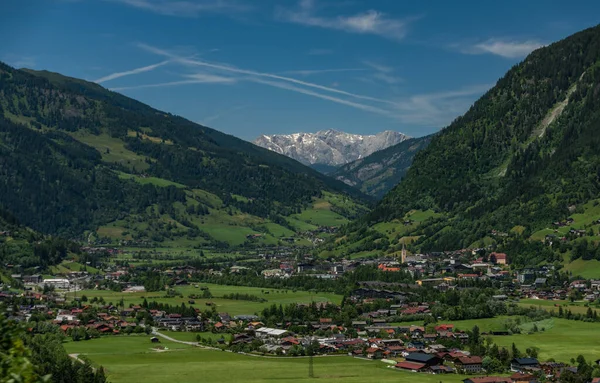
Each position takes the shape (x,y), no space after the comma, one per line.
(329,147)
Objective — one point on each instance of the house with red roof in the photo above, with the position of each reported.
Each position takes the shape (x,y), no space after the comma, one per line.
(499,258)
(411,366)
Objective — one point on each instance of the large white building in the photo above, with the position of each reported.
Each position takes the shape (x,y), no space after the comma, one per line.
(58,283)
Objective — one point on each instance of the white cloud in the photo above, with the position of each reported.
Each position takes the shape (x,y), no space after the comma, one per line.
(283,85)
(186,8)
(211,78)
(508,49)
(379,67)
(370,22)
(383,73)
(232,69)
(131,72)
(439,108)
(428,110)
(197,79)
(309,72)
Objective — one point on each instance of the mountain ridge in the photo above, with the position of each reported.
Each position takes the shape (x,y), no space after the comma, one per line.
(524,156)
(380,171)
(328,147)
(75,158)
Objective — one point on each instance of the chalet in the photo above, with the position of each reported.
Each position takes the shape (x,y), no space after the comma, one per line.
(241,339)
(359,324)
(289,341)
(444,327)
(374,353)
(469,364)
(441,369)
(416,345)
(394,350)
(218,326)
(454,355)
(430,337)
(521,364)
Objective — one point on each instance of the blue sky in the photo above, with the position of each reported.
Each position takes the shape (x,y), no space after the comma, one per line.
(264,67)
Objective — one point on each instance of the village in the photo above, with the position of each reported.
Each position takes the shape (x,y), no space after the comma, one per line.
(396,318)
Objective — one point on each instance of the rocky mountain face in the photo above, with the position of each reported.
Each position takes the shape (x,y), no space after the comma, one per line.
(379,172)
(329,147)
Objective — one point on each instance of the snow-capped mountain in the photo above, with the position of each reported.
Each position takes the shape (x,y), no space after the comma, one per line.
(329,147)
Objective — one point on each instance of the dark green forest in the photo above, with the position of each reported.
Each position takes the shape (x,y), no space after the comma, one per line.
(53,182)
(513,158)
(379,172)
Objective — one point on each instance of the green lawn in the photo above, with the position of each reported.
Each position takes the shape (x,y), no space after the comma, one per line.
(321,217)
(587,269)
(233,307)
(565,340)
(112,150)
(130,359)
(161,182)
(562,339)
(575,307)
(66,267)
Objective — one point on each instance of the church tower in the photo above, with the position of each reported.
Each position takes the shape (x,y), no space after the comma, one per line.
(403,257)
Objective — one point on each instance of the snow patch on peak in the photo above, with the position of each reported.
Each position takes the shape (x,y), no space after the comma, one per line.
(329,147)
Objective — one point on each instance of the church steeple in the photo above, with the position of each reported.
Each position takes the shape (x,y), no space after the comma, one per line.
(403,257)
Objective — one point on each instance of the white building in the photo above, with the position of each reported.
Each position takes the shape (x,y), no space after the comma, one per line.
(58,283)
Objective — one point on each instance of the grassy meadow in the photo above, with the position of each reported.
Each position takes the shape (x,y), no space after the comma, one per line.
(132,359)
(226,223)
(233,307)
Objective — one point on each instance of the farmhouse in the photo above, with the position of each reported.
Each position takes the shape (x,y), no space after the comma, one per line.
(521,364)
(469,364)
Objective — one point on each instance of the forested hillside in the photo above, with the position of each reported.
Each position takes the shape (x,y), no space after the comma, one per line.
(75,157)
(525,155)
(379,172)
